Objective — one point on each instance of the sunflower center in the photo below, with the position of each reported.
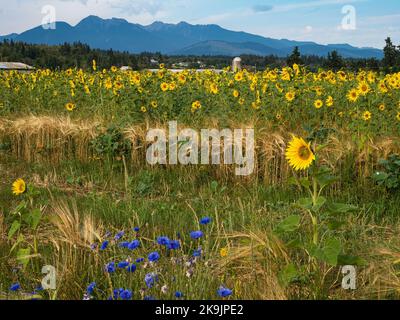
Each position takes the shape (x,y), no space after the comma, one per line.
(304,153)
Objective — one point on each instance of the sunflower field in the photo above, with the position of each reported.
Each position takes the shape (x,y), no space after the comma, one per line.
(77,194)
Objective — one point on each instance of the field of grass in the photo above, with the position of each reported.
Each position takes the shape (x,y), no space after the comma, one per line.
(78,141)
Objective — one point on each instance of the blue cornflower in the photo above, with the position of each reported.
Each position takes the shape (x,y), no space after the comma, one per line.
(119,235)
(131,268)
(134,244)
(38,288)
(154,256)
(205,220)
(124,244)
(90,288)
(110,267)
(104,245)
(174,245)
(149,298)
(164,241)
(197,253)
(123,264)
(224,292)
(196,234)
(150,279)
(15,287)
(126,295)
(139,260)
(178,294)
(136,229)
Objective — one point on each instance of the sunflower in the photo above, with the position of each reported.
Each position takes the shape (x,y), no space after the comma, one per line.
(318,104)
(236,93)
(114,69)
(223,252)
(154,104)
(363,88)
(290,96)
(70,106)
(398,116)
(352,95)
(329,101)
(367,116)
(143,109)
(164,86)
(239,76)
(382,107)
(18,187)
(299,154)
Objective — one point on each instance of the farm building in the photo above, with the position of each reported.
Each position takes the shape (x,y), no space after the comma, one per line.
(17,66)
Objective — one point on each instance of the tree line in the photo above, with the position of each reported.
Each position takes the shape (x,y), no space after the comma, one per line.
(80,55)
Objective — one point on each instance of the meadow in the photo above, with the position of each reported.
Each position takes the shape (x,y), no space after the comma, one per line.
(76,192)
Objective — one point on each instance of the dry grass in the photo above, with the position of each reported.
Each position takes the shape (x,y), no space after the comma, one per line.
(254,258)
(35,139)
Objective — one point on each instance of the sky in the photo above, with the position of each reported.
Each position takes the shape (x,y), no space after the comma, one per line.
(363,23)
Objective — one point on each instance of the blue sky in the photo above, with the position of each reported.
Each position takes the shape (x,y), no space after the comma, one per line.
(312,20)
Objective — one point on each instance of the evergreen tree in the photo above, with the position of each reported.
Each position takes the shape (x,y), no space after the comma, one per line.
(295,57)
(334,61)
(391,55)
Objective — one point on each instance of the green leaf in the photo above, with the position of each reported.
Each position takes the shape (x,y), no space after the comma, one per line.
(23,256)
(345,260)
(34,218)
(19,240)
(13,229)
(289,224)
(305,203)
(214,186)
(288,275)
(319,203)
(331,251)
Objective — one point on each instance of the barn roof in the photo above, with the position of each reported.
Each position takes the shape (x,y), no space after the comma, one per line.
(14,66)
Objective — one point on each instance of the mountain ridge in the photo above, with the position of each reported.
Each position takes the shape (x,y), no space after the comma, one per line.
(182,38)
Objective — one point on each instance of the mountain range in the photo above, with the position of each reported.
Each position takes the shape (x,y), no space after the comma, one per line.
(178,39)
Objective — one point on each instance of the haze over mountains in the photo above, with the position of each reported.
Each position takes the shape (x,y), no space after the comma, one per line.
(178,39)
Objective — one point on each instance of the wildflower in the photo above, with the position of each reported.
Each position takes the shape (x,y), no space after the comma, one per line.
(178,294)
(367,116)
(149,298)
(164,241)
(174,245)
(329,101)
(90,288)
(239,76)
(382,107)
(290,96)
(134,244)
(223,252)
(224,292)
(197,253)
(205,220)
(124,244)
(143,109)
(110,267)
(150,279)
(114,69)
(164,86)
(70,106)
(352,96)
(131,268)
(139,260)
(126,295)
(398,116)
(164,289)
(299,154)
(236,93)
(93,246)
(104,245)
(363,88)
(154,256)
(196,234)
(136,229)
(318,104)
(15,287)
(18,187)
(123,264)
(162,66)
(119,235)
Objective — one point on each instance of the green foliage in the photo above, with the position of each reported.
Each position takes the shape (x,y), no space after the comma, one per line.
(389,177)
(111,143)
